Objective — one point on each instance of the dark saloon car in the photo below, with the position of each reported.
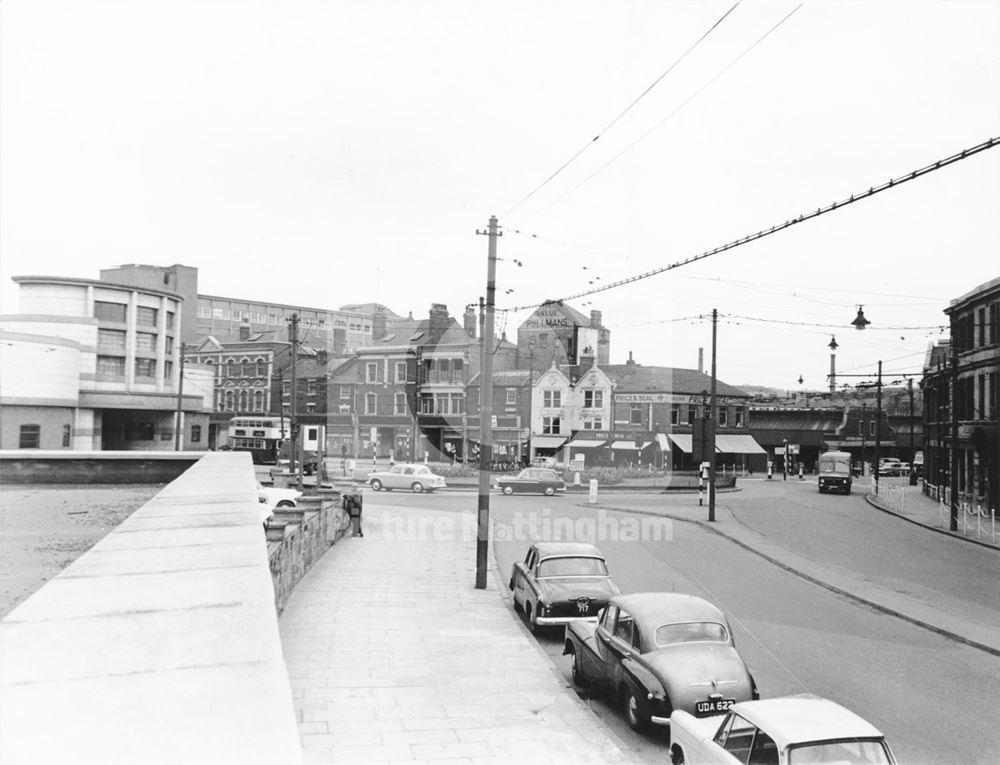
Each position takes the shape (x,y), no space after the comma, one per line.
(657,652)
(537,480)
(560,582)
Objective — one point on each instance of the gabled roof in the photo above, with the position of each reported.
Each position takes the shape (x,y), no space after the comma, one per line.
(637,378)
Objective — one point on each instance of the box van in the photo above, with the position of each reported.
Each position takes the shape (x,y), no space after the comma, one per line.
(834,472)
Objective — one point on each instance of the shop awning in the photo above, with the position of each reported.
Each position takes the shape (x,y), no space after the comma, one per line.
(548,442)
(682,441)
(663,441)
(744,444)
(584,443)
(630,445)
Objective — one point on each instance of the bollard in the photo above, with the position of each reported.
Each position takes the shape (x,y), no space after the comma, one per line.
(576,478)
(770,470)
(593,491)
(801,478)
(701,488)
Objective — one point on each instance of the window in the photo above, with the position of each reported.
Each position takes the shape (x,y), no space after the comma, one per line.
(169,345)
(551,425)
(675,414)
(244,401)
(371,403)
(67,432)
(457,403)
(110,366)
(543,339)
(220,313)
(145,367)
(258,401)
(552,399)
(401,371)
(723,416)
(635,414)
(230,399)
(109,311)
(691,414)
(245,368)
(593,423)
(739,417)
(31,437)
(145,341)
(345,392)
(138,431)
(623,627)
(145,316)
(111,338)
(593,399)
(511,396)
(170,319)
(871,428)
(168,370)
(204,311)
(261,368)
(400,404)
(441,403)
(374,372)
(231,368)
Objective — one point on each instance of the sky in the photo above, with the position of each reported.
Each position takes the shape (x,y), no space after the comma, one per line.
(336,152)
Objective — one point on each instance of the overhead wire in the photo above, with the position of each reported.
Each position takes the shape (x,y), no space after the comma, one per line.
(852,199)
(655,127)
(625,111)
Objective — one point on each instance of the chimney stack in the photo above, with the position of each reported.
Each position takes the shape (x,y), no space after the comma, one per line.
(595,319)
(631,361)
(701,361)
(245,330)
(322,356)
(438,321)
(469,320)
(379,323)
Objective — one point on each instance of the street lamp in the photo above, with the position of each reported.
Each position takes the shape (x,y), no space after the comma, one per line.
(784,462)
(860,322)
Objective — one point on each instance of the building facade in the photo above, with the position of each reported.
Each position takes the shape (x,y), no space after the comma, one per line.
(93,365)
(962,400)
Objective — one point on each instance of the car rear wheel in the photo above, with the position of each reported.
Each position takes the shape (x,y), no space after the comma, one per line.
(549,491)
(417,487)
(635,717)
(577,670)
(286,503)
(376,484)
(508,489)
(676,755)
(530,615)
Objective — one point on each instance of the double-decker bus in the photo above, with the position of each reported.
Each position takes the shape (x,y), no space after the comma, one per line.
(261,436)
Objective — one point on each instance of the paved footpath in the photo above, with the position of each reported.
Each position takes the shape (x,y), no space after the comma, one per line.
(394,656)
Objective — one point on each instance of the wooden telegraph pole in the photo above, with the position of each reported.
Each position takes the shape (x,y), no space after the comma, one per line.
(486,409)
(710,436)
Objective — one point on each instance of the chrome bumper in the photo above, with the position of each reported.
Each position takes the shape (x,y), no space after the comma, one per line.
(659,720)
(552,621)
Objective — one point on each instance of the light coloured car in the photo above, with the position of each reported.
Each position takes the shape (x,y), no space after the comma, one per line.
(269,498)
(404,475)
(791,730)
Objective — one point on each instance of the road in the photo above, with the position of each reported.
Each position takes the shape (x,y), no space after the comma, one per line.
(934,698)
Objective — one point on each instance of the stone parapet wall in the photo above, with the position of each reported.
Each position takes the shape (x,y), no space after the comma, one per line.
(160,644)
(72,466)
(298,539)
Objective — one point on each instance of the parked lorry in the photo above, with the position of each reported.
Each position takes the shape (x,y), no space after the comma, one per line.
(834,472)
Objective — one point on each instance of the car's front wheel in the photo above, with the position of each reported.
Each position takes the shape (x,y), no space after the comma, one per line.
(577,670)
(636,718)
(376,484)
(676,756)
(417,487)
(286,503)
(508,489)
(531,616)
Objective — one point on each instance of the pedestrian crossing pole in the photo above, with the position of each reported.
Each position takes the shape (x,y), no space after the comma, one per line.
(486,408)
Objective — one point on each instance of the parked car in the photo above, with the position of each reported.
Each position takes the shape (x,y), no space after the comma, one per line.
(893,467)
(269,498)
(658,652)
(415,477)
(781,731)
(560,582)
(536,480)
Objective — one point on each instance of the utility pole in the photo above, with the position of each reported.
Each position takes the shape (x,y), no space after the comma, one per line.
(864,433)
(178,431)
(486,408)
(295,464)
(878,423)
(909,384)
(711,430)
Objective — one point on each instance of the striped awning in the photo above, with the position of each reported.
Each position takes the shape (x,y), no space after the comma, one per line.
(630,445)
(737,444)
(585,443)
(548,442)
(663,441)
(682,441)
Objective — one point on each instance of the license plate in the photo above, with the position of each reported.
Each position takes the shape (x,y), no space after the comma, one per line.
(713,706)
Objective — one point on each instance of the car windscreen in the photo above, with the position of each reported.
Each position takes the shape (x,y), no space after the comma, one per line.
(833,466)
(572,567)
(851,751)
(690,632)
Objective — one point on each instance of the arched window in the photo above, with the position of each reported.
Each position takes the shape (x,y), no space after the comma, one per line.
(217,404)
(261,368)
(258,401)
(229,401)
(246,368)
(243,401)
(231,368)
